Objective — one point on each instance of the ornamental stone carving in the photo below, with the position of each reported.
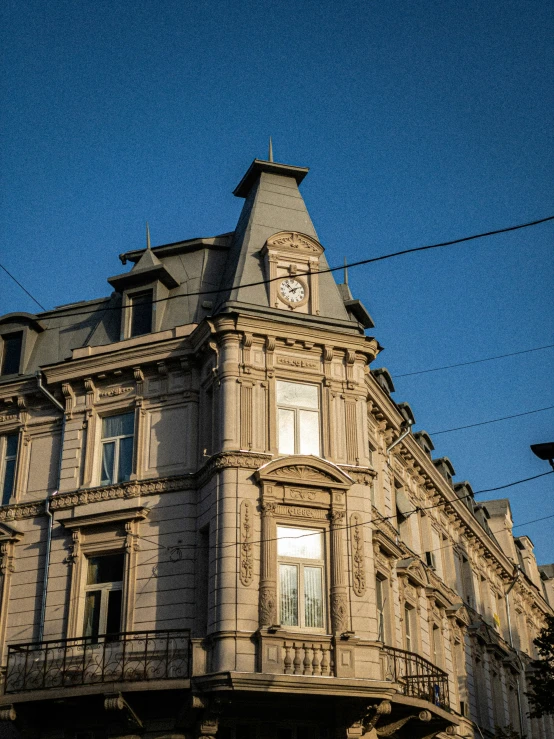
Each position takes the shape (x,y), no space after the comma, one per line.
(268,606)
(339,612)
(357,542)
(246,554)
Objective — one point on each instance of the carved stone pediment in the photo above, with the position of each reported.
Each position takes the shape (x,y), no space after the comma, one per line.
(294,241)
(7,533)
(304,470)
(460,613)
(413,569)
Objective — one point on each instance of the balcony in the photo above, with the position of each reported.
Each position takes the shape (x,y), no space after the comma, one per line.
(115,658)
(418,677)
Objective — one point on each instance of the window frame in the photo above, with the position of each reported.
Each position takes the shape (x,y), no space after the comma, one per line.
(132,306)
(96,535)
(5,458)
(383,613)
(4,337)
(116,440)
(301,563)
(296,409)
(104,588)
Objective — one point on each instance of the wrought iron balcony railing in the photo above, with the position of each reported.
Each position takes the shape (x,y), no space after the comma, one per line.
(132,656)
(418,677)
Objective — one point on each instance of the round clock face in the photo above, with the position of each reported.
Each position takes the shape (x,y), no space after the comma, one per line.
(292,290)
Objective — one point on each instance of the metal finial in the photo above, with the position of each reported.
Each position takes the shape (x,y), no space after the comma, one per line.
(148,245)
(270,153)
(345,272)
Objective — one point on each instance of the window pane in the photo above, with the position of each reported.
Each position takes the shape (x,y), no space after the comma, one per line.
(141,313)
(288,582)
(125,459)
(107,568)
(286,431)
(92,613)
(297,394)
(11,353)
(108,452)
(113,620)
(309,432)
(11,445)
(9,475)
(313,597)
(300,543)
(122,425)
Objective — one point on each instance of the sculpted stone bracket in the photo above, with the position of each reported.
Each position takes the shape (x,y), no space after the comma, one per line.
(116,702)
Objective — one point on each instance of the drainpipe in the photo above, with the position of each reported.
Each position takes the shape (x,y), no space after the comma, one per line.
(47,510)
(510,635)
(402,436)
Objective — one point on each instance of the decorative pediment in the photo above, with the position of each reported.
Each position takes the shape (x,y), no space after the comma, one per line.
(460,613)
(294,241)
(7,533)
(304,470)
(413,569)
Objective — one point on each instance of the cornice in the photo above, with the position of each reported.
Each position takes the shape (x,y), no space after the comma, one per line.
(134,489)
(281,328)
(117,359)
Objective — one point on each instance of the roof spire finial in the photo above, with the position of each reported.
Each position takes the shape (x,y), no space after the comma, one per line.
(148,245)
(345,272)
(270,152)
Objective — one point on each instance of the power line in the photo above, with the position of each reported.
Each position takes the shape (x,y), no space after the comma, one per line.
(360,523)
(360,262)
(493,420)
(474,361)
(511,484)
(21,286)
(544,518)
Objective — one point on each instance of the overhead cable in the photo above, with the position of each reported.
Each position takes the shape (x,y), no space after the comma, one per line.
(21,286)
(362,523)
(493,420)
(230,288)
(473,361)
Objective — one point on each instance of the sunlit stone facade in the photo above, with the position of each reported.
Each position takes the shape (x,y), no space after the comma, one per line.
(216,521)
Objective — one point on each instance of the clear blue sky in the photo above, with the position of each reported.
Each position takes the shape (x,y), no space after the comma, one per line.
(420,121)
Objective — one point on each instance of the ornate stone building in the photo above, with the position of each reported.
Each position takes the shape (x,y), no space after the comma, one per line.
(216,521)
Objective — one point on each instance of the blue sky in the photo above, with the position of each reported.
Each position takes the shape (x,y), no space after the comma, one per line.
(420,121)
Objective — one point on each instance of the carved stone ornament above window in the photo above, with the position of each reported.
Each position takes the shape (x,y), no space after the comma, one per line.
(414,571)
(305,471)
(294,241)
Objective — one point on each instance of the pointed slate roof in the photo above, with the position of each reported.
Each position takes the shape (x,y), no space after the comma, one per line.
(273,203)
(147,269)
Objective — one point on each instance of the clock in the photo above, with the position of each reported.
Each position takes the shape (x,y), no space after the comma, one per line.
(293,291)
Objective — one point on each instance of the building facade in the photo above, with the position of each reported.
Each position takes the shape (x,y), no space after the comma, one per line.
(217,522)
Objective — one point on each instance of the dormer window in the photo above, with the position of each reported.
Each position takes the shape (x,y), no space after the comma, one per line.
(141,313)
(11,353)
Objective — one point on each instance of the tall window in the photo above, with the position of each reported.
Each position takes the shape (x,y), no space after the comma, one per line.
(436,645)
(8,450)
(301,577)
(103,595)
(298,418)
(11,353)
(117,448)
(381,605)
(141,313)
(409,628)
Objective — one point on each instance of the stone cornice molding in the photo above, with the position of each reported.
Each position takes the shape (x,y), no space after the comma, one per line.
(124,490)
(171,344)
(103,518)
